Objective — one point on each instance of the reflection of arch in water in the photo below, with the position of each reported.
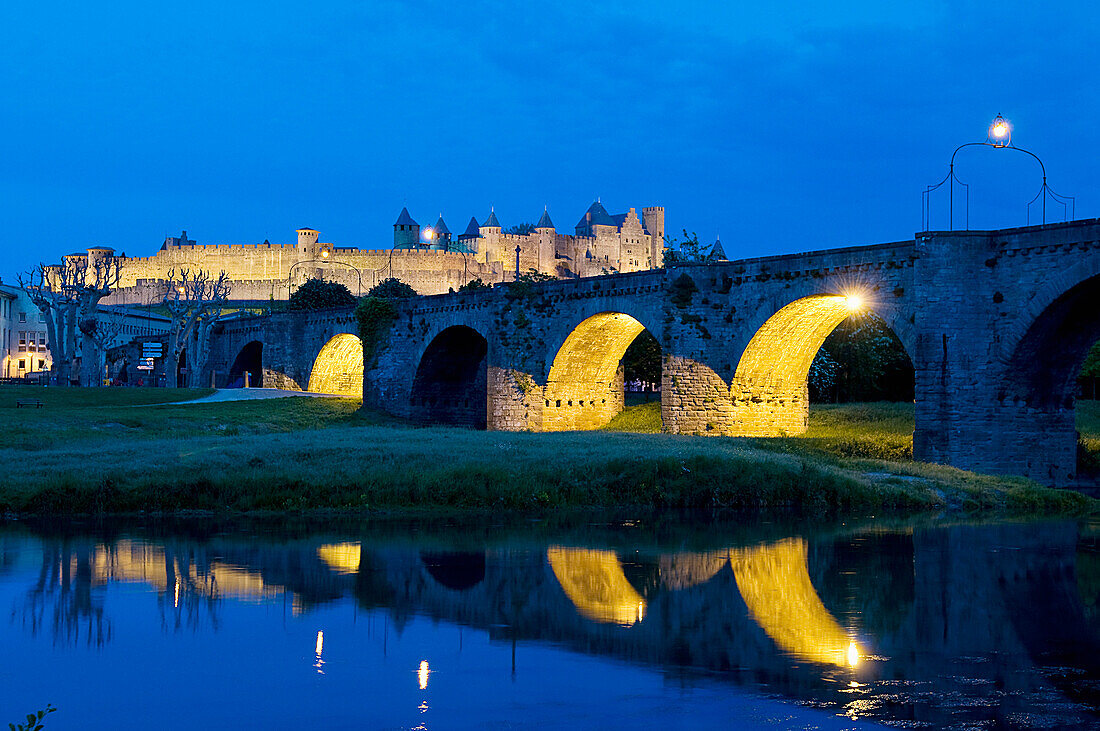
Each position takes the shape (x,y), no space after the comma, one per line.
(338,368)
(343,558)
(457,570)
(594,581)
(774,581)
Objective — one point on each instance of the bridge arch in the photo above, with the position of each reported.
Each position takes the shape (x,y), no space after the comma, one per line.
(338,368)
(584,388)
(249,360)
(451,381)
(770,386)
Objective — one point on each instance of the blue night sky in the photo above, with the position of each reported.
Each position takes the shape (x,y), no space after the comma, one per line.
(784,126)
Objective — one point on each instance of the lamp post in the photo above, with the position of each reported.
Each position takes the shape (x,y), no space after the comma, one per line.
(998,136)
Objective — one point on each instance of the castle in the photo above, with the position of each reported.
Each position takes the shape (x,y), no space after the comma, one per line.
(431,259)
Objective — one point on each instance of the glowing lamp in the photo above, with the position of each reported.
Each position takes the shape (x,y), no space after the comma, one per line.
(324,254)
(180,290)
(428,234)
(1000,132)
(853,654)
(422,674)
(854,302)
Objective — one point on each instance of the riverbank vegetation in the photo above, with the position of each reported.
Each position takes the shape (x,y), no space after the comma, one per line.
(128,450)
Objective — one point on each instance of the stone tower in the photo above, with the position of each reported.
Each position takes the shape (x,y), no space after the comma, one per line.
(654,219)
(490,235)
(307,244)
(441,235)
(544,231)
(406,231)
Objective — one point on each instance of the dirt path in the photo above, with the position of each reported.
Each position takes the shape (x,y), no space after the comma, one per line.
(248,394)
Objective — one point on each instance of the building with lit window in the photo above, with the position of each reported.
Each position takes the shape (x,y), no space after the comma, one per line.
(24,350)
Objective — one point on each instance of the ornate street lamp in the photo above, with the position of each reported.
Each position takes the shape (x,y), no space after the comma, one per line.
(998,136)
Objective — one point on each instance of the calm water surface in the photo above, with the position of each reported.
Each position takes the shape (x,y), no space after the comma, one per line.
(645,623)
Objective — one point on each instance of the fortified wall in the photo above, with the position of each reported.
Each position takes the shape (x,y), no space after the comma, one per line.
(430,260)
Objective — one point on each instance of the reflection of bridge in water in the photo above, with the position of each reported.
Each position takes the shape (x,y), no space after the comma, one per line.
(980,611)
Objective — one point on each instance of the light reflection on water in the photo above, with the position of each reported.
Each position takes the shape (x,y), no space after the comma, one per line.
(964,625)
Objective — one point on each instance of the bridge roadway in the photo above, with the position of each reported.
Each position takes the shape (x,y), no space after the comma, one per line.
(996,323)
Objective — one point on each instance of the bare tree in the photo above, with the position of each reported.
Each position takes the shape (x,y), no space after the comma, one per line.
(195,300)
(103,334)
(68,296)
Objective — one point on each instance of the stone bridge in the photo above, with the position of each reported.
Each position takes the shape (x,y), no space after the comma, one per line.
(996,323)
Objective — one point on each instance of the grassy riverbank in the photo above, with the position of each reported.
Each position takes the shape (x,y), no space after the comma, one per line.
(127,450)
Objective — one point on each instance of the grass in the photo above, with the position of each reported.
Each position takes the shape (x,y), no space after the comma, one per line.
(880,431)
(128,450)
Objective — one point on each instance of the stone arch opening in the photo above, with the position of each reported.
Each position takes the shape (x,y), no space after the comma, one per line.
(250,360)
(585,387)
(771,383)
(451,381)
(338,368)
(1041,384)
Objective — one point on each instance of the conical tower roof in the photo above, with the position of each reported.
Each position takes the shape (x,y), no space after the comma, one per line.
(717,252)
(472,228)
(405,219)
(599,216)
(440,227)
(492,219)
(545,221)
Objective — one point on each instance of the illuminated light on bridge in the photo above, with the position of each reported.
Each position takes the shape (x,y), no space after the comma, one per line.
(854,302)
(422,674)
(774,581)
(594,581)
(343,558)
(339,367)
(584,387)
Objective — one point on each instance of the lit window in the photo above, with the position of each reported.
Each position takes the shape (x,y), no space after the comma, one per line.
(22,341)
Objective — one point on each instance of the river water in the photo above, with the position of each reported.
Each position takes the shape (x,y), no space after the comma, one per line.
(647,622)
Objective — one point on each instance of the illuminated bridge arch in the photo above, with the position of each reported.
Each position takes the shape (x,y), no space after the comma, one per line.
(451,382)
(338,368)
(770,390)
(584,388)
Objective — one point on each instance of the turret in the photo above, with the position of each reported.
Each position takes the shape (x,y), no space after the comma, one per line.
(307,243)
(654,219)
(440,235)
(468,239)
(406,231)
(544,231)
(490,233)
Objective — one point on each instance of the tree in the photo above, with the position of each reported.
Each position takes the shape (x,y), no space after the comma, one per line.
(642,359)
(474,285)
(687,251)
(861,360)
(68,296)
(195,302)
(521,229)
(392,288)
(320,294)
